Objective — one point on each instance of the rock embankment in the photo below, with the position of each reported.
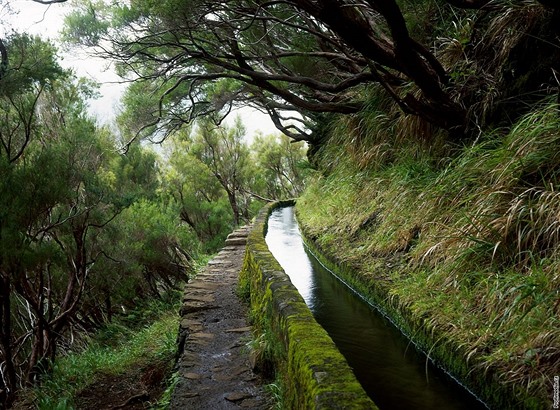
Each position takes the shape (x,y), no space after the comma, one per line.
(214,367)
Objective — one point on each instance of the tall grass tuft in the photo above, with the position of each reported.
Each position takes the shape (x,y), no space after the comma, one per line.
(506,193)
(470,244)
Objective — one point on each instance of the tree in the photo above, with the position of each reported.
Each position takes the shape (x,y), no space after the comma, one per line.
(78,235)
(281,165)
(54,202)
(145,254)
(28,188)
(75,217)
(280,56)
(201,201)
(224,152)
(217,180)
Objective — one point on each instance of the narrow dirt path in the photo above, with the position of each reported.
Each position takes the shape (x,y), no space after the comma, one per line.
(214,364)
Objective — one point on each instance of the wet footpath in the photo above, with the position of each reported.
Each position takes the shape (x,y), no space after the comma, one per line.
(214,365)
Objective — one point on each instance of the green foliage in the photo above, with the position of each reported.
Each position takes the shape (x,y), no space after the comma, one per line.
(136,174)
(83,233)
(141,110)
(200,200)
(216,180)
(86,24)
(509,187)
(32,64)
(74,372)
(276,391)
(147,253)
(282,166)
(165,400)
(465,247)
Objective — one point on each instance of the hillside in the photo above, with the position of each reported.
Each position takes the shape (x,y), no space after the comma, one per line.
(453,230)
(465,246)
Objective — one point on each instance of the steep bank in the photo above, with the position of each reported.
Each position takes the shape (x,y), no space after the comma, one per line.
(462,251)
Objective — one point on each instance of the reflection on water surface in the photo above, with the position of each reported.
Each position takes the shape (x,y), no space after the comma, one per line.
(389,368)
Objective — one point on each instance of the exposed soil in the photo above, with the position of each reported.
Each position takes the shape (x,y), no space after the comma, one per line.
(139,388)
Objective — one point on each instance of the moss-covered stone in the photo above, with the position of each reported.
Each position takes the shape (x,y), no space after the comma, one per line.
(314,373)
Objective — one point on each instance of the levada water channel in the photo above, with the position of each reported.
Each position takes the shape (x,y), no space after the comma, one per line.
(392,372)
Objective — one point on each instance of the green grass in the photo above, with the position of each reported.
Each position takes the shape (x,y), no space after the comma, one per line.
(165,399)
(276,392)
(74,372)
(468,243)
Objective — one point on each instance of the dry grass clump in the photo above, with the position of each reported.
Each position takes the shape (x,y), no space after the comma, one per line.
(471,244)
(492,250)
(481,53)
(507,196)
(365,137)
(506,30)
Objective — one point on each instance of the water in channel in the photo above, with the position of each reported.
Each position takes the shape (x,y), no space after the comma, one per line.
(393,373)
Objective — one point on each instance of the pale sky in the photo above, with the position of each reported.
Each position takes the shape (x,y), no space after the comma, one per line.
(46,21)
(36,18)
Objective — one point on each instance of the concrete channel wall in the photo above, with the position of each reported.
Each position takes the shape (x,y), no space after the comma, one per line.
(311,371)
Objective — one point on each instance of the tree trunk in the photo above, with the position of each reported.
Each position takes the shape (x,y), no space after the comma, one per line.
(8,380)
(401,53)
(234,207)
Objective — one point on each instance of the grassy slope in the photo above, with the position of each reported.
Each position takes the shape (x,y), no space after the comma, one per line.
(469,246)
(115,351)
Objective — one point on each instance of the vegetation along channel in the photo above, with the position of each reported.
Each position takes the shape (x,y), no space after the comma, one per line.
(393,373)
(421,139)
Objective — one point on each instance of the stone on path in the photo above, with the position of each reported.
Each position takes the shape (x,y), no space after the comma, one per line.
(237,396)
(214,367)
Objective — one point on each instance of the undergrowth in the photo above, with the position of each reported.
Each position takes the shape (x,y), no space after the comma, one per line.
(114,350)
(469,241)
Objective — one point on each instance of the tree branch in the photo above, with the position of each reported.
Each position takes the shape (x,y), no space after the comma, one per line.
(49,1)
